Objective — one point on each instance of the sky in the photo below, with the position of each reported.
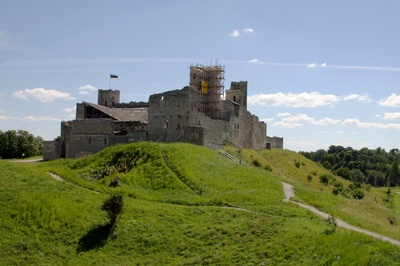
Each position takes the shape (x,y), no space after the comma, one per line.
(319,73)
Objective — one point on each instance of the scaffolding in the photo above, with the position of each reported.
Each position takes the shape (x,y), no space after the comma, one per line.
(208,84)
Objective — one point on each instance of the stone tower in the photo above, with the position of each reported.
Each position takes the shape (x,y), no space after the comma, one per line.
(108,97)
(238,94)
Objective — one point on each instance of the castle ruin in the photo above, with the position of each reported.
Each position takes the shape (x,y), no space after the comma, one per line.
(197,114)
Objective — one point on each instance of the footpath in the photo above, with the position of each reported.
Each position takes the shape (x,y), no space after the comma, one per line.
(289,193)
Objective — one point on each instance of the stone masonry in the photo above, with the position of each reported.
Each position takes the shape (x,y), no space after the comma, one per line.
(196,114)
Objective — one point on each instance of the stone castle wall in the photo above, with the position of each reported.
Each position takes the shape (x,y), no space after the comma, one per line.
(274,143)
(85,137)
(173,117)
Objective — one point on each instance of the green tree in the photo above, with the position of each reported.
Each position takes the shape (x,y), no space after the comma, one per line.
(394,174)
(114,206)
(345,173)
(19,144)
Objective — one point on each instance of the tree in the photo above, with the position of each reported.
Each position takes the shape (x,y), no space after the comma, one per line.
(358,176)
(394,174)
(114,207)
(19,144)
(345,173)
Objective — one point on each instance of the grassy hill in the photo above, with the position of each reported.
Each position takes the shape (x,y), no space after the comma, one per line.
(185,205)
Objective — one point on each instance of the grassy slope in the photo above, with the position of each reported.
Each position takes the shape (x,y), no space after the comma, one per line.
(179,210)
(371,213)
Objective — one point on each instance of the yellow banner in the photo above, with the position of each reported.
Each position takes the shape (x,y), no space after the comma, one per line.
(204,87)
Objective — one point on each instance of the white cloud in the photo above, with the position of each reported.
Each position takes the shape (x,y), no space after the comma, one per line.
(339,132)
(86,89)
(304,118)
(392,101)
(253,61)
(287,125)
(20,95)
(266,120)
(361,98)
(284,114)
(356,123)
(325,121)
(298,118)
(7,118)
(304,99)
(70,110)
(314,65)
(391,116)
(43,95)
(32,118)
(234,34)
(248,30)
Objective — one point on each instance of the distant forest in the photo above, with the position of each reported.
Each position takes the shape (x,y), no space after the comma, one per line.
(376,167)
(19,144)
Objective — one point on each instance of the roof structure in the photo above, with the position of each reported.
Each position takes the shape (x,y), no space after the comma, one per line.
(136,114)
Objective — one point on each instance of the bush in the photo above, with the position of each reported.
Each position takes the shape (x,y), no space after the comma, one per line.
(256,163)
(114,207)
(268,168)
(358,193)
(324,179)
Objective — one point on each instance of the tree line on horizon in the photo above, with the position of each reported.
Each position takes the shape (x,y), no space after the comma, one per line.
(376,167)
(19,144)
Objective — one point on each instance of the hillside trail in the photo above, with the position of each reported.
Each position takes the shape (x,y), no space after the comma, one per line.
(60,179)
(289,193)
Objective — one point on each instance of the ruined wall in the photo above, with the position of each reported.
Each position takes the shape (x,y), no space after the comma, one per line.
(173,117)
(51,150)
(274,143)
(169,115)
(133,130)
(80,111)
(87,137)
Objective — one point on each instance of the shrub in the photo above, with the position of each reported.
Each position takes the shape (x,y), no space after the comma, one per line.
(324,179)
(327,165)
(297,164)
(392,220)
(256,163)
(268,168)
(114,207)
(358,193)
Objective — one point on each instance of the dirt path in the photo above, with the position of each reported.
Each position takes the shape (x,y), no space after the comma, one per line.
(56,177)
(289,193)
(59,178)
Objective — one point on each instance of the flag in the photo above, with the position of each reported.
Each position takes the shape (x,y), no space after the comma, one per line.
(113,76)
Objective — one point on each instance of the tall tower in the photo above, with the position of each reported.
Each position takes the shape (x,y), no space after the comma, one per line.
(108,97)
(238,93)
(208,82)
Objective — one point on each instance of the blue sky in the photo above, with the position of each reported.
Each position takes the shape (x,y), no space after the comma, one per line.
(319,73)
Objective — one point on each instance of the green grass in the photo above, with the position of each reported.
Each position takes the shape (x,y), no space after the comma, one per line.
(370,213)
(184,205)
